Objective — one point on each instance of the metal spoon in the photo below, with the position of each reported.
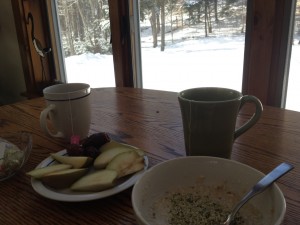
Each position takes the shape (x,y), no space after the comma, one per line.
(262,185)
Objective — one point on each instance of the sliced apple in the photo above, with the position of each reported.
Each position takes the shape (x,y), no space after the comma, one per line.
(105,157)
(109,145)
(139,151)
(110,150)
(63,178)
(75,161)
(133,168)
(114,144)
(97,181)
(125,163)
(40,172)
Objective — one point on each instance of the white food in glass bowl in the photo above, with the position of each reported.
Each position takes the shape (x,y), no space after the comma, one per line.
(14,152)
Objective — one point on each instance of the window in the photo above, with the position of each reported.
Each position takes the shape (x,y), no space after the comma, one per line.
(197,36)
(266,44)
(293,90)
(83,31)
(192,43)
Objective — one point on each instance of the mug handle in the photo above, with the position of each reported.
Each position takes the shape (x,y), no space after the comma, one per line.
(254,118)
(43,122)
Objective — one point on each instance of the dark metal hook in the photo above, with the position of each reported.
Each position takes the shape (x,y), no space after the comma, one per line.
(37,45)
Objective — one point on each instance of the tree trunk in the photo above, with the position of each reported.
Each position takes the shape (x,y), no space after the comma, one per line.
(190,15)
(181,11)
(206,20)
(68,26)
(216,10)
(162,8)
(157,21)
(153,26)
(85,24)
(198,13)
(172,21)
(209,21)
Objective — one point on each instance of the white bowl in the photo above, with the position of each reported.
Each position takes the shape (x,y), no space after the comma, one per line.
(212,177)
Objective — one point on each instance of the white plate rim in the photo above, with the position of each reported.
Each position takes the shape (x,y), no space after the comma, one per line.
(58,195)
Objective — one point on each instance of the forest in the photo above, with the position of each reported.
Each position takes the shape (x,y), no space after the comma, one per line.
(85,26)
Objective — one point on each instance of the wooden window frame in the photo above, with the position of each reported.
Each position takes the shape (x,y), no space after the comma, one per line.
(31,61)
(121,43)
(266,50)
(266,47)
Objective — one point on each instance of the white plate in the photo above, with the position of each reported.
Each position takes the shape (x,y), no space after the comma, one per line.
(67,195)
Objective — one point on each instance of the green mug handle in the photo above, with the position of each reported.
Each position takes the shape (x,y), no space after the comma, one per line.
(254,118)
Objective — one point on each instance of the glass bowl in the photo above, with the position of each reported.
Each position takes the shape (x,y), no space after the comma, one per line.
(14,152)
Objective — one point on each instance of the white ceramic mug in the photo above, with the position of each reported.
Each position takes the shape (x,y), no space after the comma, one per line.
(68,109)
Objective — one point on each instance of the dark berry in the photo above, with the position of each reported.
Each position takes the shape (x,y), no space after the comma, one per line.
(74,150)
(91,151)
(96,140)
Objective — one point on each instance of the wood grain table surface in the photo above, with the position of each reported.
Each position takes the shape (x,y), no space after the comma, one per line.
(150,120)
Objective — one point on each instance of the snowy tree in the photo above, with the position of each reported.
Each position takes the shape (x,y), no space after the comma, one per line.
(84,26)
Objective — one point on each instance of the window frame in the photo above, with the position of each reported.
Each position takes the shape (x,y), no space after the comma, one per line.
(267,50)
(267,40)
(31,61)
(121,42)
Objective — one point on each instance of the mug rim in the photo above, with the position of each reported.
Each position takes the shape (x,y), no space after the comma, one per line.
(238,94)
(59,92)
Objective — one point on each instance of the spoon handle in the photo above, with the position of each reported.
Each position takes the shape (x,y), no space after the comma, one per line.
(275,174)
(262,185)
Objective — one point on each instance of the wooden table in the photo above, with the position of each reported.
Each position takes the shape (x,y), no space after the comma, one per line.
(150,120)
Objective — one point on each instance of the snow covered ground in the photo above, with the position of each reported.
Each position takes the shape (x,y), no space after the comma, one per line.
(194,62)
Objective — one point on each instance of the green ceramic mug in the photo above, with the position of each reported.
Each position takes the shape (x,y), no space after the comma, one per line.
(209,119)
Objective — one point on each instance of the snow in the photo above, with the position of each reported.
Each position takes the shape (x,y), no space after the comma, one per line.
(194,62)
(94,69)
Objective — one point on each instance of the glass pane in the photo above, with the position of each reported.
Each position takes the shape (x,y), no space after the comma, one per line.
(85,35)
(293,91)
(192,43)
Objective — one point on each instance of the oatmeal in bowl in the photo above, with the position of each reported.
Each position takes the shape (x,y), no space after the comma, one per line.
(203,190)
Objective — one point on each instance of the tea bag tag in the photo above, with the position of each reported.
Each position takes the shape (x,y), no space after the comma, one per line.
(75,139)
(71,119)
